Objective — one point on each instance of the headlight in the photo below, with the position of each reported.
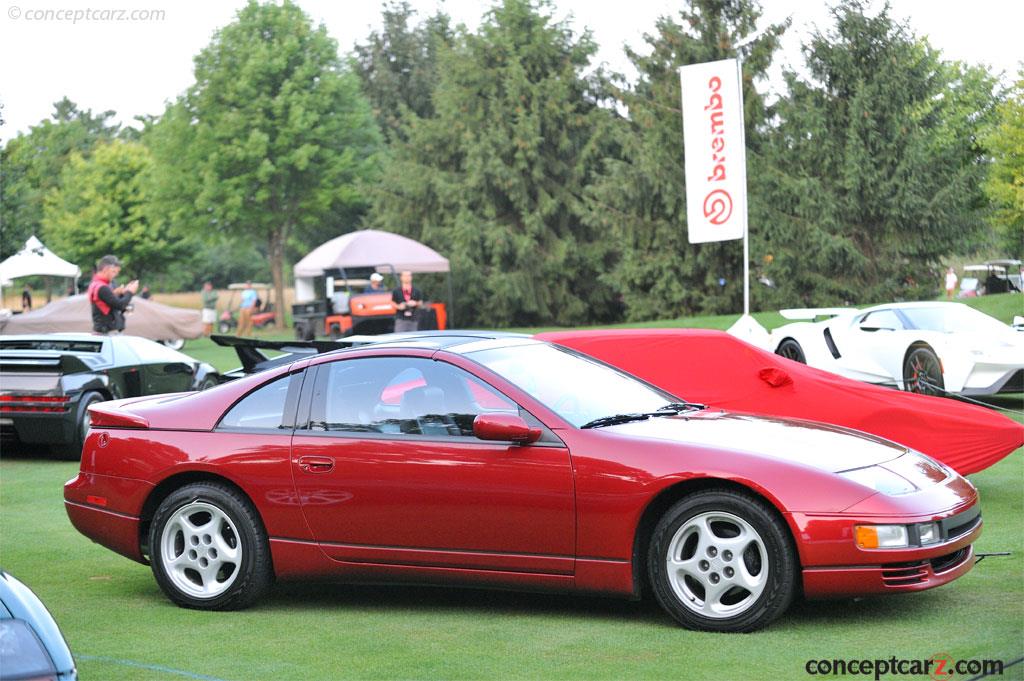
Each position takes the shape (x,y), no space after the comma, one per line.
(897,536)
(881,536)
(880,480)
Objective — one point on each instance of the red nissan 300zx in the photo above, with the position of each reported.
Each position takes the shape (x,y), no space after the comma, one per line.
(508,462)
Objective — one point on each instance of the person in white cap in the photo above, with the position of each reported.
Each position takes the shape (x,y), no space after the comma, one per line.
(376,284)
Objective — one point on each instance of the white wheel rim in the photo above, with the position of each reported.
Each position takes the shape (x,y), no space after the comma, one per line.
(717,564)
(200,550)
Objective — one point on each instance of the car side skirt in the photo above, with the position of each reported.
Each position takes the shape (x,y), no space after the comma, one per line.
(303,560)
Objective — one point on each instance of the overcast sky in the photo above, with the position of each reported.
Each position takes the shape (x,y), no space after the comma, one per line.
(134,67)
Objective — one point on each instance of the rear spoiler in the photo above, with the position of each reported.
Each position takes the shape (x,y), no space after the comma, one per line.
(814,312)
(109,415)
(248,350)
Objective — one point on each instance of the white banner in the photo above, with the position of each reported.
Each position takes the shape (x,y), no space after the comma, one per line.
(715,150)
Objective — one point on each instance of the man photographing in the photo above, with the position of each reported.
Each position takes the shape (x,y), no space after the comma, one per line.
(109,303)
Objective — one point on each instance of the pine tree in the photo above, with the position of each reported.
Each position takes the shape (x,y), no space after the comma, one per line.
(494,179)
(640,198)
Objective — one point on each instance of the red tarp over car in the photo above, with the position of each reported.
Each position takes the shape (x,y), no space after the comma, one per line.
(719,370)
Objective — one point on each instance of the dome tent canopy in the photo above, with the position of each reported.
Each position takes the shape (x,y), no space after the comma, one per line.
(35,259)
(370,248)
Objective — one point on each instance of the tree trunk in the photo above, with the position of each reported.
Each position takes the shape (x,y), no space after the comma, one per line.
(276,250)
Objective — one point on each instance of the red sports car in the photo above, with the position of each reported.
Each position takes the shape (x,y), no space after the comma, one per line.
(509,462)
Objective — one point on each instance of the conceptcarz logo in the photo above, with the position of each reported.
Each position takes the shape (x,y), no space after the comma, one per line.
(940,667)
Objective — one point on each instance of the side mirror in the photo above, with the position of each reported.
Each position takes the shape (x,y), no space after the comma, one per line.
(504,427)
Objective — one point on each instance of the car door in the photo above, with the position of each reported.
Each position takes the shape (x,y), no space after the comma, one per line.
(388,471)
(869,346)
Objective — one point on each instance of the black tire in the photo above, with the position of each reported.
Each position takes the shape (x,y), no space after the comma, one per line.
(922,372)
(74,452)
(790,349)
(335,332)
(222,518)
(224,327)
(764,554)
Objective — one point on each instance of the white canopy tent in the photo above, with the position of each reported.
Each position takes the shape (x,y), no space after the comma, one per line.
(37,260)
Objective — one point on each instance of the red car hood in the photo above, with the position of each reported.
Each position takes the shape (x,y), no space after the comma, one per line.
(825,447)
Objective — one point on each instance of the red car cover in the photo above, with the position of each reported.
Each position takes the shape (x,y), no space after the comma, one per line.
(719,370)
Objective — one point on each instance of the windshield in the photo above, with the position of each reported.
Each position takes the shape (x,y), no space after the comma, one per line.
(955,318)
(577,388)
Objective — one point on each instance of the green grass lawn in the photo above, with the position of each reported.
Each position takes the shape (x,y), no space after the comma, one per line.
(120,626)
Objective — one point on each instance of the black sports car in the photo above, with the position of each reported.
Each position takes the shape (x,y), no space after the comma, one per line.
(48,381)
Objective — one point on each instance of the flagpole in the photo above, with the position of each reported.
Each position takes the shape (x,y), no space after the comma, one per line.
(746,227)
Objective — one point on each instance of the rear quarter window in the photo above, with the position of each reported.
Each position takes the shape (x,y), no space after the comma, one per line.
(262,409)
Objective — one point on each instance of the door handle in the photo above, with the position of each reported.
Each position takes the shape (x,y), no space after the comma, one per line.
(316,464)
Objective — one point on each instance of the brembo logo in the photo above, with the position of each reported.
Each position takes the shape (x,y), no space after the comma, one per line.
(717,202)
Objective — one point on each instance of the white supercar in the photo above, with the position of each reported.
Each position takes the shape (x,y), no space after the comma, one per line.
(933,348)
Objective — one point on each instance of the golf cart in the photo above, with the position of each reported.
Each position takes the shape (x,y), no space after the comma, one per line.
(262,316)
(994,276)
(333,285)
(350,305)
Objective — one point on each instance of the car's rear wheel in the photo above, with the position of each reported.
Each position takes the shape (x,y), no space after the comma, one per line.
(922,372)
(209,548)
(790,349)
(720,560)
(82,423)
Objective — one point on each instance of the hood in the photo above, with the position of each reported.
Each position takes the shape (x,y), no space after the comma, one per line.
(830,448)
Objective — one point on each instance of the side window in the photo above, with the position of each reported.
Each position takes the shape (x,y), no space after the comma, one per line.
(263,408)
(882,319)
(401,396)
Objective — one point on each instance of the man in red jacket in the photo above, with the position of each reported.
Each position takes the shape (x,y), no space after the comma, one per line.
(108,302)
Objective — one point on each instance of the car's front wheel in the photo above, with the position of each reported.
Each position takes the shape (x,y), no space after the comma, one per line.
(720,560)
(922,372)
(209,549)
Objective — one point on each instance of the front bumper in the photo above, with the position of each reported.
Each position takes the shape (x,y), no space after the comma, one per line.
(988,379)
(834,566)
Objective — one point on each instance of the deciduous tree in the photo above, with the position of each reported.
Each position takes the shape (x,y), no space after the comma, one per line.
(1005,183)
(273,139)
(31,164)
(102,207)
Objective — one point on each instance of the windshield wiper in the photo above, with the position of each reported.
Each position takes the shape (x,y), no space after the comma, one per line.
(677,407)
(620,418)
(669,409)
